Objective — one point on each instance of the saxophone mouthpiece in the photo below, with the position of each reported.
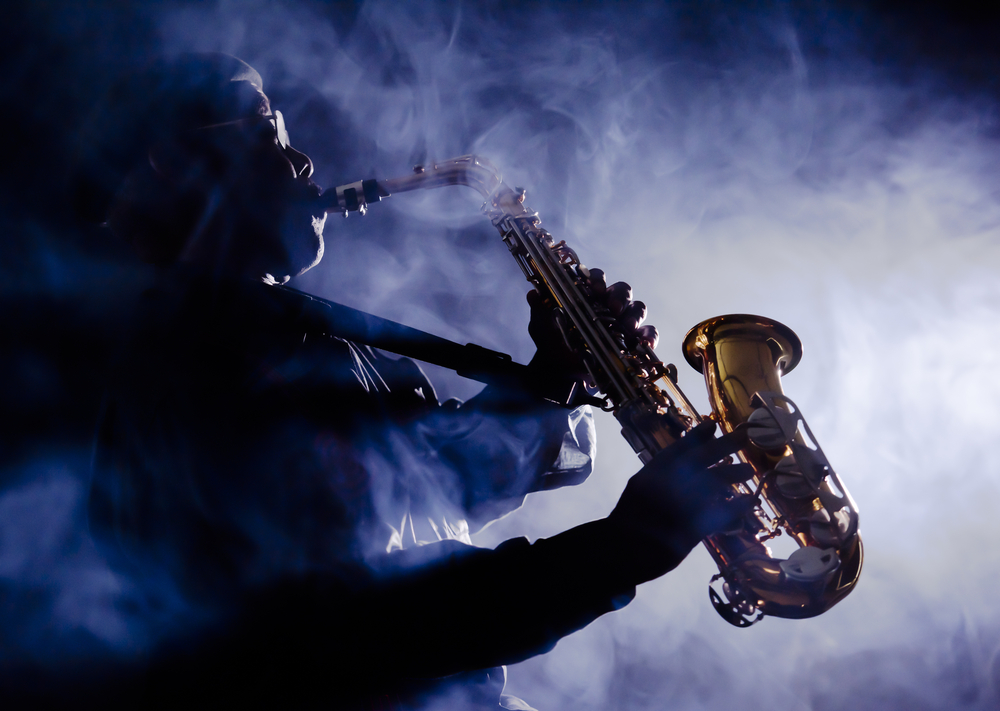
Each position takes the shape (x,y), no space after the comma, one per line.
(353,197)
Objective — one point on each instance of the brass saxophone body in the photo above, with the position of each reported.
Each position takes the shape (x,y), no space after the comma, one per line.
(742,358)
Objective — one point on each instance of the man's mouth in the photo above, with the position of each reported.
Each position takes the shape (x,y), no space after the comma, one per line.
(308,195)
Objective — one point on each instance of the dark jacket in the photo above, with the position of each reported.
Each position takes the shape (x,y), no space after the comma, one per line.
(265,485)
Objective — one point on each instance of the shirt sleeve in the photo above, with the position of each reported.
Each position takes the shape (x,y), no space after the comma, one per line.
(496,448)
(422,615)
(481,457)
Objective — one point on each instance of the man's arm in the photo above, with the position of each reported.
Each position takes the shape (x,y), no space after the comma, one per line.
(354,632)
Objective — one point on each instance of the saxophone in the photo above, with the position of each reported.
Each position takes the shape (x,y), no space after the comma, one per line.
(742,357)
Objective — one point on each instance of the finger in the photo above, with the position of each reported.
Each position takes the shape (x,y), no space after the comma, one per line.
(598,282)
(699,435)
(729,474)
(649,335)
(703,432)
(724,516)
(541,316)
(538,315)
(630,319)
(619,296)
(713,450)
(542,326)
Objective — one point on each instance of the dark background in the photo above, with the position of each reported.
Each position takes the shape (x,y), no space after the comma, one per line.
(60,278)
(65,284)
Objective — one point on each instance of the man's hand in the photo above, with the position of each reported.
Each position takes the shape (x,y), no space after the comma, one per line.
(547,331)
(628,314)
(555,357)
(677,499)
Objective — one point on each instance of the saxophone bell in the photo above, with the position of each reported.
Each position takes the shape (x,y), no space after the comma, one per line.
(743,358)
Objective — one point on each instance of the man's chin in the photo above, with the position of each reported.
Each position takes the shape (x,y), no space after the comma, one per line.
(318,257)
(318,223)
(306,250)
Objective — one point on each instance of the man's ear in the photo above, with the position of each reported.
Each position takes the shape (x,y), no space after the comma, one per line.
(153,215)
(180,164)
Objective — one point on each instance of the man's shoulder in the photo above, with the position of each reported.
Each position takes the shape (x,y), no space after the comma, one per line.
(194,306)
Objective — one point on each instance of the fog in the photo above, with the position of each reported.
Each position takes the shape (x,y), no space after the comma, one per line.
(760,162)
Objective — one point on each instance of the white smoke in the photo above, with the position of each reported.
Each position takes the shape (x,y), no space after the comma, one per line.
(858,211)
(757,178)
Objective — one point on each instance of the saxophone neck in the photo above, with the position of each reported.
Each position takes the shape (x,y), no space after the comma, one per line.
(471,170)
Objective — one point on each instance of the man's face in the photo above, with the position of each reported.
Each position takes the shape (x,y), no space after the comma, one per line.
(258,193)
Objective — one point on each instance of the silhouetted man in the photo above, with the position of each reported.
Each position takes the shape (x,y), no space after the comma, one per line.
(294,509)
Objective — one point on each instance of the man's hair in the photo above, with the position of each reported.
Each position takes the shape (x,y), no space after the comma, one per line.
(159,101)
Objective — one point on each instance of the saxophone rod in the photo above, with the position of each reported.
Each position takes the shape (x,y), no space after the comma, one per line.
(356,197)
(472,171)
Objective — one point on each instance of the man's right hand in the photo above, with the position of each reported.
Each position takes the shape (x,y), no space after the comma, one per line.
(682,495)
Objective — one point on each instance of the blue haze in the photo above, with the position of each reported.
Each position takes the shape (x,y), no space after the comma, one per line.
(779,161)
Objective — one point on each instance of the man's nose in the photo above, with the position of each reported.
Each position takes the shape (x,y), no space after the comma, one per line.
(300,162)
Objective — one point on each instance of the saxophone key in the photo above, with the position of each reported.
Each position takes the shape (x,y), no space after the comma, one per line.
(597,282)
(651,337)
(619,295)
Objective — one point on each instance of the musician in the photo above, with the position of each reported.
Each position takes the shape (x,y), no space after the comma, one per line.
(293,510)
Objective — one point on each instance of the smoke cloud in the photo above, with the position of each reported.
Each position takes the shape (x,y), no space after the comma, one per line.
(720,161)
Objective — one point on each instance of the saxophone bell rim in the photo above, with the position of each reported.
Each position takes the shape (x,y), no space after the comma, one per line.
(693,351)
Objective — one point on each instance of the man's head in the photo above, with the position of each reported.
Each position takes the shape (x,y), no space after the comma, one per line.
(186,161)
